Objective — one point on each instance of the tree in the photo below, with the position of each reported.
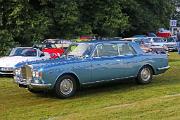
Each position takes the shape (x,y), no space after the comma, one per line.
(104,17)
(29,21)
(6,41)
(145,16)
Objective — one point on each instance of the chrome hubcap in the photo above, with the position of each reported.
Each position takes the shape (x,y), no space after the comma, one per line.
(145,74)
(66,86)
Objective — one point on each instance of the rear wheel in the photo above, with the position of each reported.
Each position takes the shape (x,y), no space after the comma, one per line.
(65,87)
(145,75)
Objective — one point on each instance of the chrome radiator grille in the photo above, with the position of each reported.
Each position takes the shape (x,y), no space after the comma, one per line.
(26,72)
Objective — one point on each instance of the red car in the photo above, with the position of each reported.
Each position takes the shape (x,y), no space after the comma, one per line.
(51,49)
(164,33)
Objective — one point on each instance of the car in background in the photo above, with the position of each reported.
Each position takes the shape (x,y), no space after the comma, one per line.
(171,43)
(20,54)
(139,36)
(163,33)
(88,63)
(158,41)
(51,49)
(60,43)
(146,45)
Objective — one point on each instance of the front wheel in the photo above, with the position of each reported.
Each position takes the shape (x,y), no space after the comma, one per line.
(145,75)
(65,87)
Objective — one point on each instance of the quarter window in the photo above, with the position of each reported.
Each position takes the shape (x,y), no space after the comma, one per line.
(106,50)
(126,49)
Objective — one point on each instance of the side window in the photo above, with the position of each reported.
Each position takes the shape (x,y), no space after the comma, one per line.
(106,50)
(126,49)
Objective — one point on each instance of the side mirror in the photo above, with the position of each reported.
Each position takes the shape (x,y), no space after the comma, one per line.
(42,55)
(86,56)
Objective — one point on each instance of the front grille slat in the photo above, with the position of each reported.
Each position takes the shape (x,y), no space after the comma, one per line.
(23,72)
(26,73)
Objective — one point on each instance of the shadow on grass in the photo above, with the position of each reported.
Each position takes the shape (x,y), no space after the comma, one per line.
(108,86)
(6,76)
(97,88)
(122,85)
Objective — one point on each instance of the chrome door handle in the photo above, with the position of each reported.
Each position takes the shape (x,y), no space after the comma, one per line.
(118,60)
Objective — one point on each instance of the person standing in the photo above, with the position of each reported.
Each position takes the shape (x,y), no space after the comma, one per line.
(178,41)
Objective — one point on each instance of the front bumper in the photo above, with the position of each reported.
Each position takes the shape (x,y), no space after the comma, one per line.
(6,73)
(39,86)
(172,48)
(163,68)
(24,83)
(6,70)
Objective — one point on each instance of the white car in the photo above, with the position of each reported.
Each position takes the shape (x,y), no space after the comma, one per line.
(20,54)
(147,46)
(171,43)
(157,41)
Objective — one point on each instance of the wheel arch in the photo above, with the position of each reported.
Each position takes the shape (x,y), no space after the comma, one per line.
(149,65)
(72,75)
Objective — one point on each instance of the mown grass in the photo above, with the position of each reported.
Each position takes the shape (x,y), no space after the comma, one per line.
(159,100)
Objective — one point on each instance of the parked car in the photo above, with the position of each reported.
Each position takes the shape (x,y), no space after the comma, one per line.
(137,36)
(60,43)
(146,45)
(88,63)
(163,33)
(171,43)
(158,41)
(20,54)
(50,48)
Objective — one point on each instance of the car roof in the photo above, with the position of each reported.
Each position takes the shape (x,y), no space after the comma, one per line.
(106,41)
(154,37)
(129,39)
(23,47)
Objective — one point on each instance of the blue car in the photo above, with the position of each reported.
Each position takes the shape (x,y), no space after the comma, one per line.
(87,63)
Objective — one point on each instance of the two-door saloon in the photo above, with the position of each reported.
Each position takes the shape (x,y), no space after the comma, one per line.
(88,63)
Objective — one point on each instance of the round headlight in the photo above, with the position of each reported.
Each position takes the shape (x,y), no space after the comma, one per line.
(37,74)
(18,71)
(33,73)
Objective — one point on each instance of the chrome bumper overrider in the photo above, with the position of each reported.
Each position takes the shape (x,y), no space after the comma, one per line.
(164,68)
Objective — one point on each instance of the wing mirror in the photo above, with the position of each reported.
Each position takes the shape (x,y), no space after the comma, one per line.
(42,55)
(86,56)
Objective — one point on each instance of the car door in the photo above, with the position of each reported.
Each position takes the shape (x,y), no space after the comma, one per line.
(130,60)
(83,70)
(106,63)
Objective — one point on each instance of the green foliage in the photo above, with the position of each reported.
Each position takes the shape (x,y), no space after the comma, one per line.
(29,21)
(6,41)
(104,16)
(147,16)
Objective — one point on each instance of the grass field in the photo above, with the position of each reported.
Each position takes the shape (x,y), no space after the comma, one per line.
(159,100)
